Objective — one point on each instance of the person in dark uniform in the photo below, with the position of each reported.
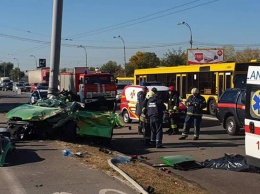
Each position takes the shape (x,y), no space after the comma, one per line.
(195,105)
(140,98)
(173,110)
(145,119)
(155,109)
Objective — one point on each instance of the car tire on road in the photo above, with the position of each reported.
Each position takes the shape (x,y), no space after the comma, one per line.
(231,126)
(212,107)
(126,117)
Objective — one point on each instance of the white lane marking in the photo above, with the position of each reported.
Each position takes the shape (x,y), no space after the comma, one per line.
(13,184)
(104,191)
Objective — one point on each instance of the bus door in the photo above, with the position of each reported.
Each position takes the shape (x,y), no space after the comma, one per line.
(181,84)
(220,83)
(141,78)
(227,80)
(223,82)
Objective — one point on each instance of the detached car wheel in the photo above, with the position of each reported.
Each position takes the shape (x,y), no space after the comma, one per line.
(126,117)
(231,126)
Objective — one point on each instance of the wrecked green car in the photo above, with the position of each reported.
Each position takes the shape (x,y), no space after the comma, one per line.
(52,119)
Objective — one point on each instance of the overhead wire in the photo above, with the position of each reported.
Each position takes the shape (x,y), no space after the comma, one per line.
(121,25)
(127,25)
(129,21)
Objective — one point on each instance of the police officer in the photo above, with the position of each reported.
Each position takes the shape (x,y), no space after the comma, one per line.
(140,98)
(173,110)
(155,108)
(195,103)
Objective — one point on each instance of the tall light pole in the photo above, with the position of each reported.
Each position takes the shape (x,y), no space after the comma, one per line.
(18,68)
(35,60)
(81,46)
(184,23)
(120,37)
(17,62)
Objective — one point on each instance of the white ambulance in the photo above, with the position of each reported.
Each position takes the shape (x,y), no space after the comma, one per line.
(129,100)
(252,118)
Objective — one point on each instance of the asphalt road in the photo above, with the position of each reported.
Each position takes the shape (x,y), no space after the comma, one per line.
(40,167)
(214,142)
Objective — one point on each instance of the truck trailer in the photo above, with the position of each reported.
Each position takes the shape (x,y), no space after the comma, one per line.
(40,75)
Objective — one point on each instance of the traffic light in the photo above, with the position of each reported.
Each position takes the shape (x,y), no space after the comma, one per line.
(42,62)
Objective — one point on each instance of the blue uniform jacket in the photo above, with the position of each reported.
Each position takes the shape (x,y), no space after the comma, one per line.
(195,105)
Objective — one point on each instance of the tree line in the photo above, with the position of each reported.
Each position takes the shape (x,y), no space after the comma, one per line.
(174,57)
(7,70)
(142,60)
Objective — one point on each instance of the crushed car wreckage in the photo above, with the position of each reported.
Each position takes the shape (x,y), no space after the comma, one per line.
(59,118)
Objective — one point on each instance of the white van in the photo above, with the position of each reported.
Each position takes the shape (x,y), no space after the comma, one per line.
(129,100)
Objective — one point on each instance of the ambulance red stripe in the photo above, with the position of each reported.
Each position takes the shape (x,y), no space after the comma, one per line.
(256,132)
(230,105)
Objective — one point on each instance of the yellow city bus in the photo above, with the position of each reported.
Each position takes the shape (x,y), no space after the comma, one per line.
(125,80)
(210,79)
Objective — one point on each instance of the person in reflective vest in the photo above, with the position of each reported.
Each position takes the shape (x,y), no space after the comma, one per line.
(173,110)
(140,98)
(155,109)
(195,105)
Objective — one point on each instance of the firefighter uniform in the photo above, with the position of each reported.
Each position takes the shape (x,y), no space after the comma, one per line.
(155,109)
(140,98)
(173,110)
(195,105)
(145,120)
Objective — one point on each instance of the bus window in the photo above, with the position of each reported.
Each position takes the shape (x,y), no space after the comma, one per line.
(205,84)
(239,81)
(191,79)
(220,82)
(184,86)
(171,80)
(228,80)
(179,84)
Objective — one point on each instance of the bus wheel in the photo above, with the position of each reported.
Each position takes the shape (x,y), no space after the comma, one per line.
(231,126)
(212,107)
(126,117)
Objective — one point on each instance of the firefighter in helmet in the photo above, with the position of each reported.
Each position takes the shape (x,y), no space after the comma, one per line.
(173,110)
(145,120)
(140,98)
(195,105)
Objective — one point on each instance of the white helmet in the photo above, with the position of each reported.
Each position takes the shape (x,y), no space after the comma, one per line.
(149,94)
(194,91)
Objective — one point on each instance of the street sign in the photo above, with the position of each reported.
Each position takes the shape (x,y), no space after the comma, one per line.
(42,62)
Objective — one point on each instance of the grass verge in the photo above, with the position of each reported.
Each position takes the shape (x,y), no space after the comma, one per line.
(143,174)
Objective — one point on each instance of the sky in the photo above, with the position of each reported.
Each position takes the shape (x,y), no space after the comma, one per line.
(143,25)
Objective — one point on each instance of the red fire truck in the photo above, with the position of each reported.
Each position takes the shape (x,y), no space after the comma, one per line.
(90,87)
